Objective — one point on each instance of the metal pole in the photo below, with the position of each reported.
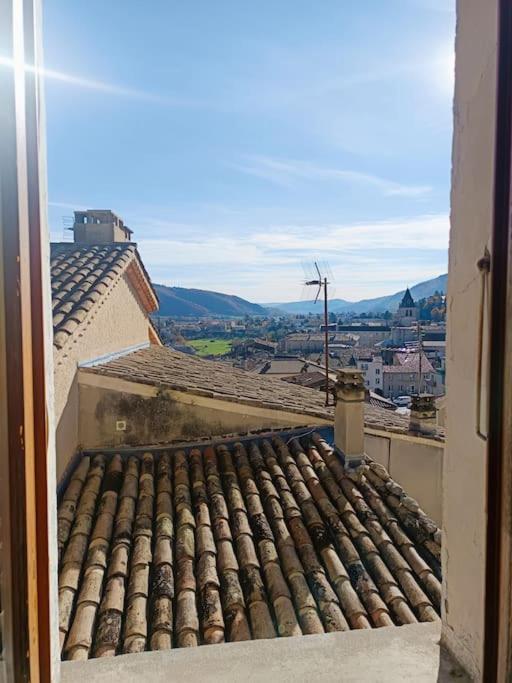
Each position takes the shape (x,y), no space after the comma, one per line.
(326,325)
(419,351)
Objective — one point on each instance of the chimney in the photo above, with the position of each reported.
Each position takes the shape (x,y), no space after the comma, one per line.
(349,415)
(423,415)
(99,226)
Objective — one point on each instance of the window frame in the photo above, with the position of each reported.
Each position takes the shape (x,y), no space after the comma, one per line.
(25,363)
(498,579)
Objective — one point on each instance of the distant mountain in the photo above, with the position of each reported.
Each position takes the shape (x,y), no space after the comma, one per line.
(378,305)
(200,302)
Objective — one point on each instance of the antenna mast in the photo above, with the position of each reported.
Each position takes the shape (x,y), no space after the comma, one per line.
(321,283)
(420,350)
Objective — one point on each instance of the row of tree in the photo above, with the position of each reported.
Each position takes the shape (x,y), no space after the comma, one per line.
(432,307)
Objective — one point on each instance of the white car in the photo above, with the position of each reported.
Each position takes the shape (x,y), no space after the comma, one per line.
(402,401)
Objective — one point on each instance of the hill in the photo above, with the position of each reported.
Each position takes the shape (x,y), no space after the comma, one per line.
(200,302)
(378,305)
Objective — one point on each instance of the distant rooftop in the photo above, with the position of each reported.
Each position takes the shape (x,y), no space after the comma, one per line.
(165,368)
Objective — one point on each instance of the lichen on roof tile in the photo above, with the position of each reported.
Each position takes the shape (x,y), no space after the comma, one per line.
(235,541)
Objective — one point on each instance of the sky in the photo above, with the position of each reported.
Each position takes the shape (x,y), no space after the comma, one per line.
(243,140)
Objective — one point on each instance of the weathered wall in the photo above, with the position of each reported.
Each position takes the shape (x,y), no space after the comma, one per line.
(471,221)
(153,416)
(119,323)
(415,463)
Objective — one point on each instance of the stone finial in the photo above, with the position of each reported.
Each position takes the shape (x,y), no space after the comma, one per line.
(349,415)
(423,415)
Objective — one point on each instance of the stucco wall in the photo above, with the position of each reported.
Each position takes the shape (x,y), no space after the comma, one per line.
(119,322)
(415,463)
(153,416)
(471,221)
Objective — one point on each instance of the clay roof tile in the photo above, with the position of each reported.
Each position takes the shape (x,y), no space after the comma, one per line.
(80,276)
(257,538)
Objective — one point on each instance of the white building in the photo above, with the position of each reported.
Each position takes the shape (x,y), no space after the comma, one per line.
(371,365)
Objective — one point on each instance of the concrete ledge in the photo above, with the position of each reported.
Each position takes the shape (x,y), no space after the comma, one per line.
(406,653)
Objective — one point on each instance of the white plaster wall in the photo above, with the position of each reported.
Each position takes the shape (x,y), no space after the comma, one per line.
(471,220)
(118,323)
(386,655)
(417,466)
(415,463)
(377,447)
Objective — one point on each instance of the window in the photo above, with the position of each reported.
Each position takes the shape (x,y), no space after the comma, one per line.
(393,381)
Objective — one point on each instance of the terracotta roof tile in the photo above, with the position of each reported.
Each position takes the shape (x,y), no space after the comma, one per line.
(81,273)
(242,540)
(166,368)
(409,362)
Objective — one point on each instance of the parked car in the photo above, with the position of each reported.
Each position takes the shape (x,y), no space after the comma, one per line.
(402,401)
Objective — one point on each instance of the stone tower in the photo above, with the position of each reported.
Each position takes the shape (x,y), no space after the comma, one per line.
(407,313)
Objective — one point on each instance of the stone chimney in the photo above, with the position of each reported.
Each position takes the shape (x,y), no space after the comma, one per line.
(349,415)
(423,415)
(99,226)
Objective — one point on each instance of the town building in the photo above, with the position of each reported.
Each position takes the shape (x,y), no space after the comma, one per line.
(346,336)
(367,334)
(401,335)
(370,363)
(410,373)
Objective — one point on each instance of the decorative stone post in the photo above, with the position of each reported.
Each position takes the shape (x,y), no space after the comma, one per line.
(349,415)
(423,415)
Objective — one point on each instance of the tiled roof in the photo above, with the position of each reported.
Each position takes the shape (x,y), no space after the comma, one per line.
(237,541)
(165,368)
(364,353)
(409,362)
(279,366)
(80,275)
(376,400)
(307,379)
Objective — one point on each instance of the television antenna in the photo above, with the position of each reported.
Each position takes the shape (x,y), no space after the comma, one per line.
(321,282)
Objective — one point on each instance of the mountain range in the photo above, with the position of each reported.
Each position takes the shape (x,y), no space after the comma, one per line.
(200,302)
(203,303)
(378,305)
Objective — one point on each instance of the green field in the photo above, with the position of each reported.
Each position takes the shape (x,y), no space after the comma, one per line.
(210,347)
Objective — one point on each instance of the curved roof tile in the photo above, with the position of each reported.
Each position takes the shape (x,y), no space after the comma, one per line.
(235,541)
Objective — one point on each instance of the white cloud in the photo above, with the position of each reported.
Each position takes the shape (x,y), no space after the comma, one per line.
(420,233)
(367,260)
(286,172)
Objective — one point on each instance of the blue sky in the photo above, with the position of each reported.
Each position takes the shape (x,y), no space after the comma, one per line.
(241,139)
